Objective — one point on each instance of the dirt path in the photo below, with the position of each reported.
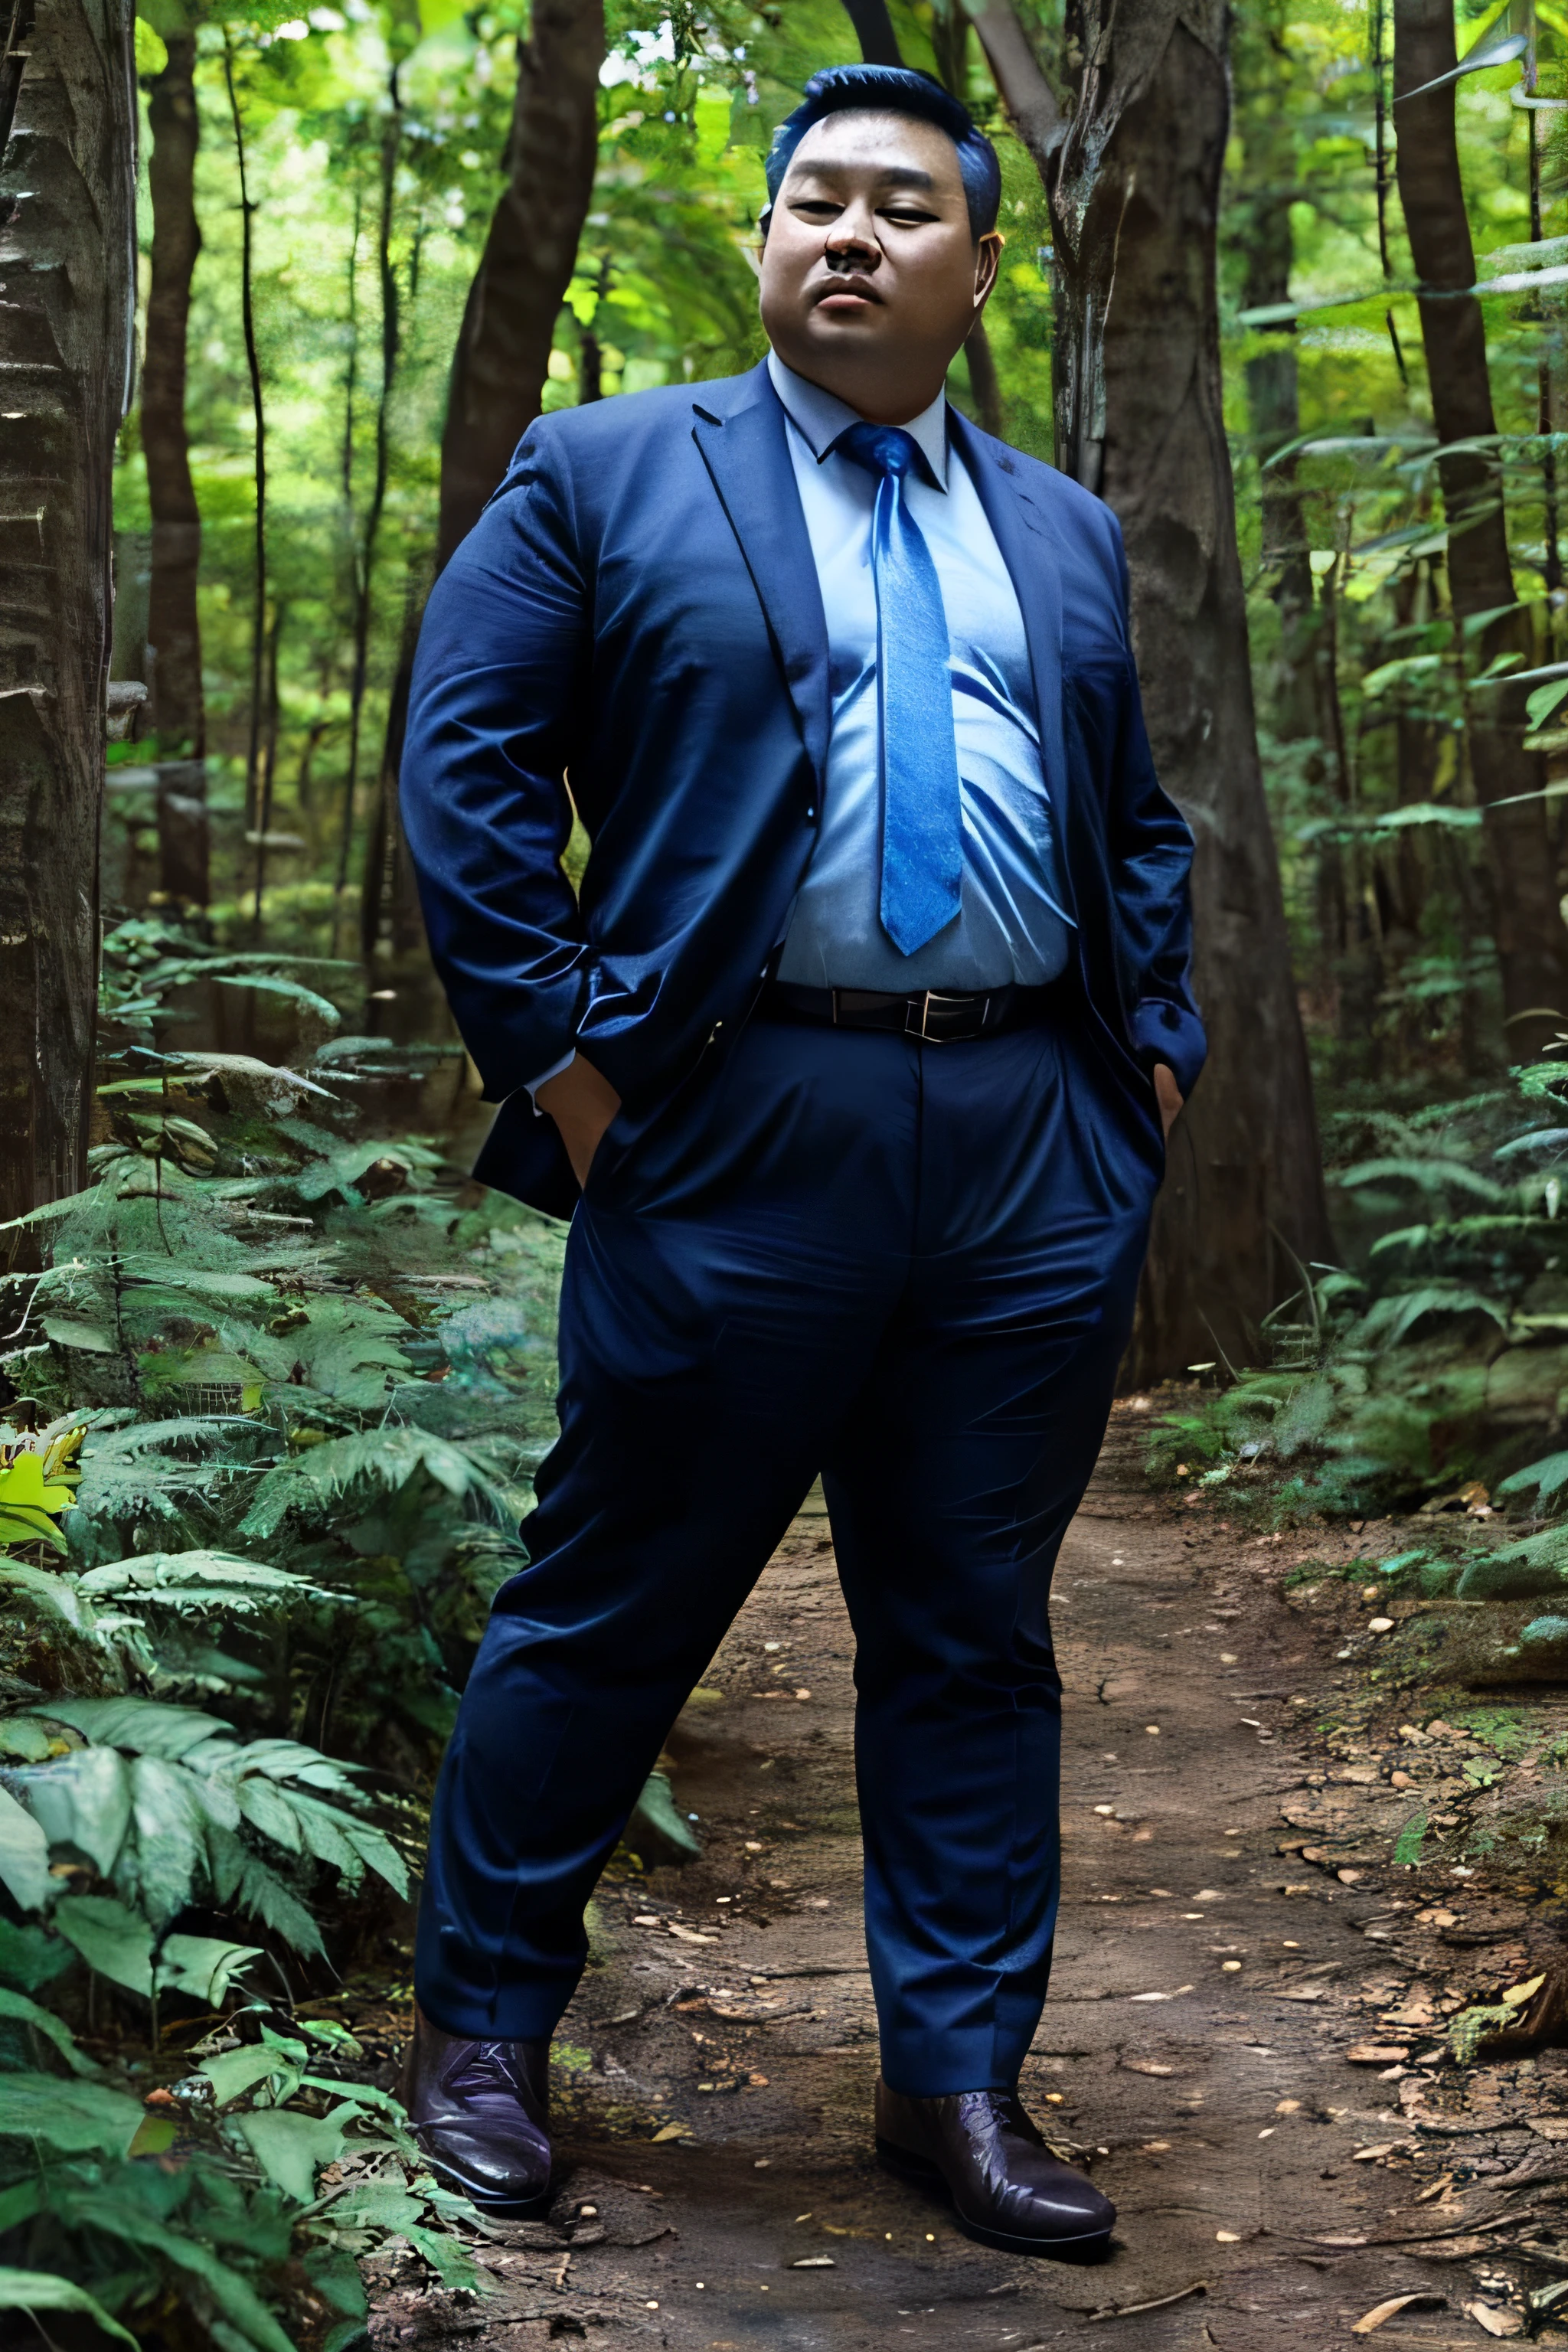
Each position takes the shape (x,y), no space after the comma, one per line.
(716,2072)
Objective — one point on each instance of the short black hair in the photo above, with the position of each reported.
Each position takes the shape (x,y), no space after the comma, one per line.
(894,89)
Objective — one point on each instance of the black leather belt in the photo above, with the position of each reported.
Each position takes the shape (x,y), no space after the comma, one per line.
(938,1017)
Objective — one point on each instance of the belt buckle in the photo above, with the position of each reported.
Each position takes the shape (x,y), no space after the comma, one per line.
(929,998)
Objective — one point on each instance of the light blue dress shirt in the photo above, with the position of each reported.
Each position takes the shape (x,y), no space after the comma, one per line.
(1010,925)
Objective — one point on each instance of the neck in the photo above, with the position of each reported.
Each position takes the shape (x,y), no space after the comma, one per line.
(877,403)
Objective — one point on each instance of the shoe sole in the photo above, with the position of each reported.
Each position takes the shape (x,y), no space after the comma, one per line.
(920,2173)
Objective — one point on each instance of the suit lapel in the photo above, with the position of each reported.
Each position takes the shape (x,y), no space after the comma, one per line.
(743,444)
(1023,536)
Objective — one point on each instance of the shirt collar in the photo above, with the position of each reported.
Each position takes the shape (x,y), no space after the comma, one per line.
(821,417)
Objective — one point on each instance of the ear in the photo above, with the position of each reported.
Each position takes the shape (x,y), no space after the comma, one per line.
(987,260)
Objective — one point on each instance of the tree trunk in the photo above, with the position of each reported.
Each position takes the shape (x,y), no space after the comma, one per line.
(172,628)
(258,412)
(68,260)
(365,566)
(1134,181)
(874,31)
(1529,935)
(508,323)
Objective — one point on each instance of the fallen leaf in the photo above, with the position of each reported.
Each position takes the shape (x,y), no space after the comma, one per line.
(1299,1992)
(1435,2187)
(1383,2148)
(1146,2066)
(814,2262)
(691,1936)
(1376,2053)
(1160,1996)
(1369,2321)
(1226,2238)
(1493,2320)
(1517,1995)
(647,1919)
(1356,2238)
(669,2131)
(1349,1878)
(1289,2107)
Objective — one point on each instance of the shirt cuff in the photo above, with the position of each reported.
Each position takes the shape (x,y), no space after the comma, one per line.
(531,1085)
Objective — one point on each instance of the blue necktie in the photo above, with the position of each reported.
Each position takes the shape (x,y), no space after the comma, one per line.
(922,817)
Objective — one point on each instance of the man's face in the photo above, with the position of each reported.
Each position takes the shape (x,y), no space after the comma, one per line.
(870,277)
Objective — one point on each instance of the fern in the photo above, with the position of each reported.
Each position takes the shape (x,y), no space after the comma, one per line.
(368,1353)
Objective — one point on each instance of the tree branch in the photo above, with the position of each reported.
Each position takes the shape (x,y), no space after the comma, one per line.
(1022,87)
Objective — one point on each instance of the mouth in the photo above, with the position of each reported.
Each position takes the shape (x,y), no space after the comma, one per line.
(842,296)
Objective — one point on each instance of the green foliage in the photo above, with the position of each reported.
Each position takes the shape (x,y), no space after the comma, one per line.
(276,1502)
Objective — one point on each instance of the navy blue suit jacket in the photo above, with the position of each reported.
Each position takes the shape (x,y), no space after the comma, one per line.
(636,614)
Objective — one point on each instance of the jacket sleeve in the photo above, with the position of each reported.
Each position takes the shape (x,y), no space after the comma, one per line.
(497,678)
(1151,853)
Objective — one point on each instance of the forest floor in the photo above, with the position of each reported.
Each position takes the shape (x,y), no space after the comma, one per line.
(1234,1936)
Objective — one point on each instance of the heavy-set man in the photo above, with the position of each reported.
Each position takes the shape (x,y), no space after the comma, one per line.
(851,1068)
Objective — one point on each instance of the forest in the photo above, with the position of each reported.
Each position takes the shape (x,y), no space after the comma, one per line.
(1285,285)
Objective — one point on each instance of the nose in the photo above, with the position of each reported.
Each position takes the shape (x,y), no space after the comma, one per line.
(851,242)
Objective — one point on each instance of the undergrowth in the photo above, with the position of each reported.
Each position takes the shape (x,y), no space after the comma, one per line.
(274,1388)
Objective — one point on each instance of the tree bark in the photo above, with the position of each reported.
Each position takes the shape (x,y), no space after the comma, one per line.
(874,31)
(1531,944)
(1134,181)
(68,263)
(173,630)
(258,412)
(365,566)
(508,323)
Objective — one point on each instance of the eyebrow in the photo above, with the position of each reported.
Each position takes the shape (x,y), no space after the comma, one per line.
(895,175)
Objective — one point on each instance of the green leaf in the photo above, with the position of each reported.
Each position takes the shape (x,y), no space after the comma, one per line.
(1541,705)
(24,1739)
(242,1881)
(1550,1475)
(1431,1172)
(234,2071)
(112,1941)
(336,2276)
(21,1525)
(54,2029)
(31,1956)
(656,1821)
(79,2118)
(278,987)
(201,1966)
(31,2291)
(56,1593)
(156,2136)
(1389,1321)
(1408,1847)
(290,2148)
(172,1809)
(142,1726)
(81,1800)
(235,2297)
(67,1331)
(24,1856)
(202,1581)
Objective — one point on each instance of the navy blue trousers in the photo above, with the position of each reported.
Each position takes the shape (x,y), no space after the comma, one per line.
(911,1267)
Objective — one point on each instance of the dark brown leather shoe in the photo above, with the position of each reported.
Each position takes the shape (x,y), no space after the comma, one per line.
(1007,2189)
(480,2111)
